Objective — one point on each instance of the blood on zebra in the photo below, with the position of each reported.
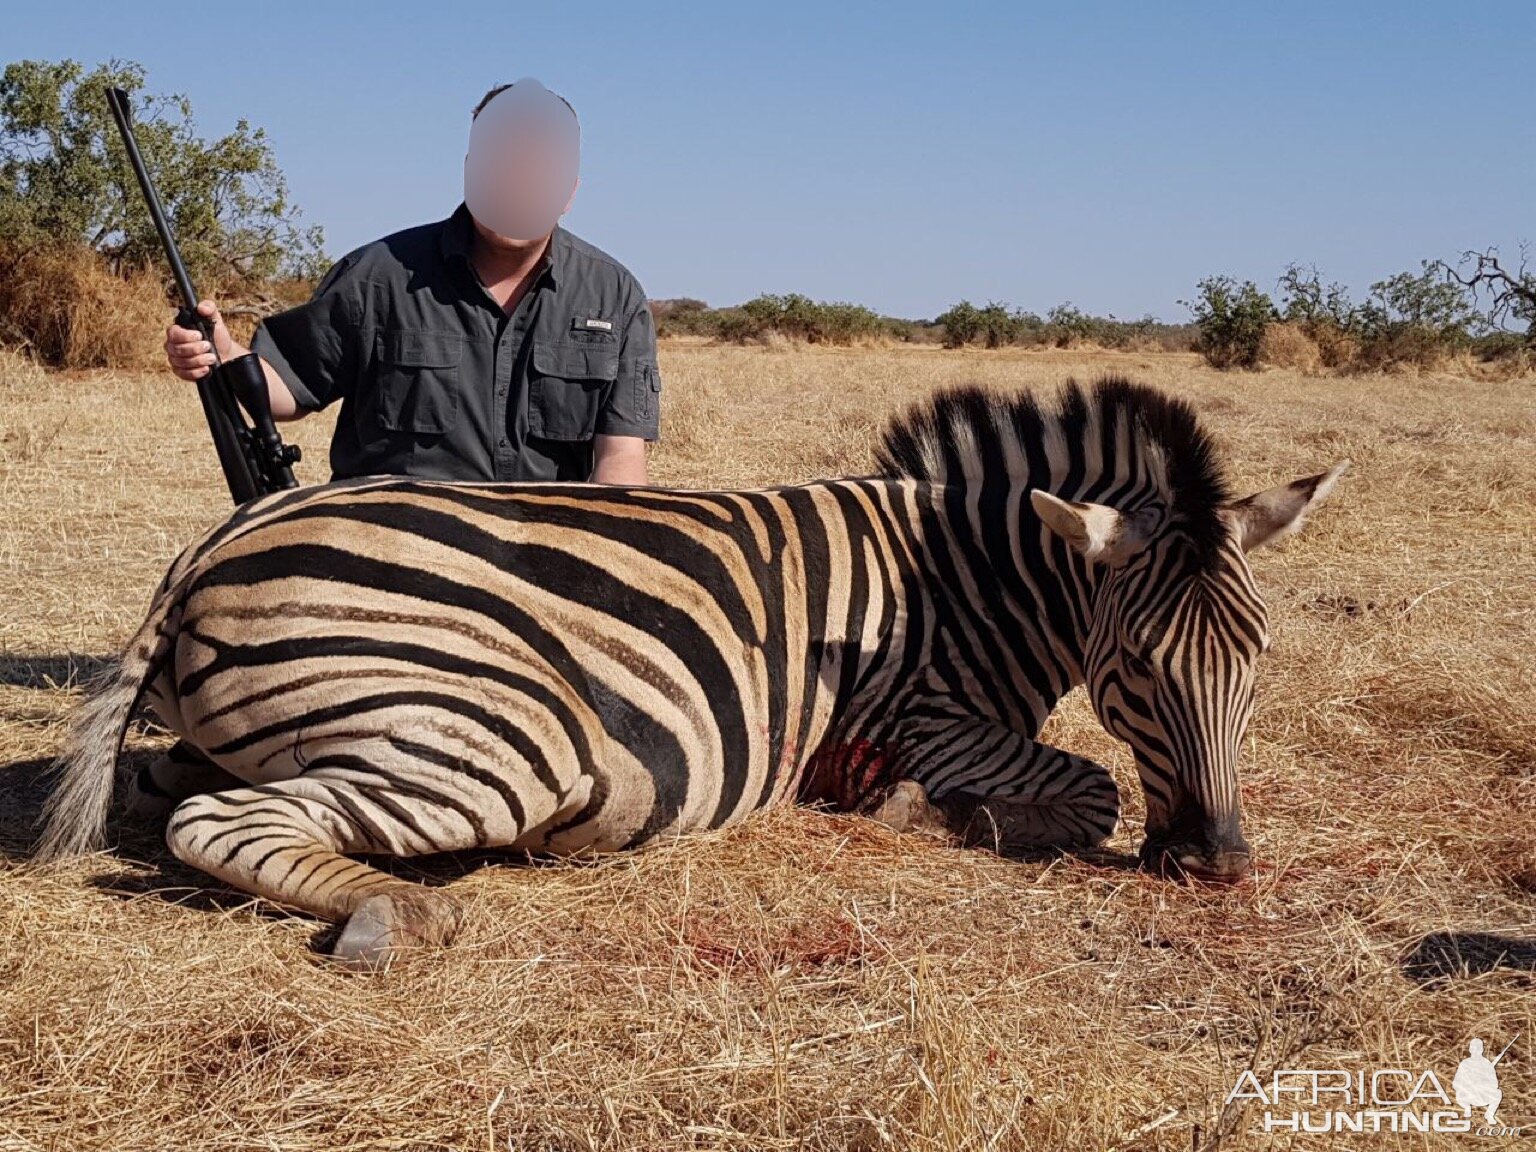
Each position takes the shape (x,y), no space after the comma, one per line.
(847,774)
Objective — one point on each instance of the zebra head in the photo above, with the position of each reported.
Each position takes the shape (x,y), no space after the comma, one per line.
(1176,629)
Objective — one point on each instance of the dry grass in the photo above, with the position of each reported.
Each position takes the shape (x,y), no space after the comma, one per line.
(809,981)
(1288,346)
(71,311)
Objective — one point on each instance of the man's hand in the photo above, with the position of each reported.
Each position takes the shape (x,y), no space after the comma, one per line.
(191,358)
(618,460)
(188,350)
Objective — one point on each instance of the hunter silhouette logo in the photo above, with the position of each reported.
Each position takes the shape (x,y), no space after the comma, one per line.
(1477,1084)
(1315,1101)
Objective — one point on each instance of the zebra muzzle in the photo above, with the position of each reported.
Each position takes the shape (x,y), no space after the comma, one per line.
(1225,864)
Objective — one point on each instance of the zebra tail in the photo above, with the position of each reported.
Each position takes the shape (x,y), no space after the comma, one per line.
(75,815)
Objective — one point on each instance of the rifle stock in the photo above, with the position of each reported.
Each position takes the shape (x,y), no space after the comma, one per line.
(254,459)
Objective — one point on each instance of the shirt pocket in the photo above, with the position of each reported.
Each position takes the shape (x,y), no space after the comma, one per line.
(419,381)
(588,330)
(570,383)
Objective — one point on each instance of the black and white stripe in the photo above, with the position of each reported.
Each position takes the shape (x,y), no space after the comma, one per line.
(407,666)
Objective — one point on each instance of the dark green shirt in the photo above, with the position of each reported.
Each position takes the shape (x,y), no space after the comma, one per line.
(435,380)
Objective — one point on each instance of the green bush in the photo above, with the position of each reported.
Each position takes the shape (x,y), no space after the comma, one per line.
(801,318)
(682,316)
(1416,319)
(737,326)
(961,324)
(1068,326)
(794,316)
(1231,319)
(1064,326)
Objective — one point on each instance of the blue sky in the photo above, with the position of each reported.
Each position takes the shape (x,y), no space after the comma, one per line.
(897,155)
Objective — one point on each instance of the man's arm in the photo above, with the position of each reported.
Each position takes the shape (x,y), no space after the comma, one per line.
(631,413)
(191,358)
(307,353)
(312,349)
(618,460)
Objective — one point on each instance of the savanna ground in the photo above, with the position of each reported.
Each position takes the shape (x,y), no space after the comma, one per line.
(811,981)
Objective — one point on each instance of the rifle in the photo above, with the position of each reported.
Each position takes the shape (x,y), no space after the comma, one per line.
(254,458)
(1507,1047)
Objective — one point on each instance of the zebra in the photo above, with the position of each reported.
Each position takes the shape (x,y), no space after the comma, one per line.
(402,666)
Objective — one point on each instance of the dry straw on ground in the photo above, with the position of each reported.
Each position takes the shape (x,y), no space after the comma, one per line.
(809,981)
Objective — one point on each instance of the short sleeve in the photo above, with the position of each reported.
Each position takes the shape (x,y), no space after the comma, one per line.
(313,347)
(633,405)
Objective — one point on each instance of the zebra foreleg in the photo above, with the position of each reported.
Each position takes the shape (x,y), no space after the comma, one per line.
(287,841)
(177,773)
(995,787)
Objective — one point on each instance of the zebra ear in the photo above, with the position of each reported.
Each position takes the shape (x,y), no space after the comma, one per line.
(1275,513)
(1098,531)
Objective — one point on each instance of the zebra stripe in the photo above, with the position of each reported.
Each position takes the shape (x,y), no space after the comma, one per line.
(407,666)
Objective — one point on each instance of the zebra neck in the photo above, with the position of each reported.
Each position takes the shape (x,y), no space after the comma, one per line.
(1011,604)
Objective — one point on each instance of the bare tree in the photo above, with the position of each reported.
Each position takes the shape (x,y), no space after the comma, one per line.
(1510,295)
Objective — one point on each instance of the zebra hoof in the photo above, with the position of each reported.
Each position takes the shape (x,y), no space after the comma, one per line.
(1228,865)
(147,802)
(906,809)
(387,926)
(146,808)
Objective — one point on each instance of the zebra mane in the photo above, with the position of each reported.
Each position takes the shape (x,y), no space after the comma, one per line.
(967,433)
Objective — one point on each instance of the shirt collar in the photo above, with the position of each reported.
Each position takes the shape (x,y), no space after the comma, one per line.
(458,234)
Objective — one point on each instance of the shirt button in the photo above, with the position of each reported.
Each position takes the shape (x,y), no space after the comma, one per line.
(503,443)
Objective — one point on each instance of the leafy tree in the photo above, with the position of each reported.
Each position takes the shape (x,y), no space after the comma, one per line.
(997,326)
(961,324)
(1069,325)
(1306,301)
(64,179)
(1231,319)
(1416,317)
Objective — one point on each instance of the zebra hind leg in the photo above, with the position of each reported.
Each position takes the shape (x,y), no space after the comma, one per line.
(177,773)
(288,842)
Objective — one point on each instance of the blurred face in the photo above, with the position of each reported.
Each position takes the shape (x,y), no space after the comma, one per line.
(521,168)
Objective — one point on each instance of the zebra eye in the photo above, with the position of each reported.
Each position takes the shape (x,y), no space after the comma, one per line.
(1137,665)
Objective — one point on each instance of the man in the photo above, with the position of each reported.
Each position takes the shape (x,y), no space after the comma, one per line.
(493,345)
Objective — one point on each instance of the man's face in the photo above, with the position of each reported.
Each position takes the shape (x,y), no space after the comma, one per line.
(520,171)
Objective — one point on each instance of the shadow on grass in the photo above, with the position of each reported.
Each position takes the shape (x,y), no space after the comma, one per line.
(1442,957)
(23,788)
(61,671)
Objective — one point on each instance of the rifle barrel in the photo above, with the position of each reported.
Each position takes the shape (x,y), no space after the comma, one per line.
(1507,1047)
(122,112)
(254,461)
